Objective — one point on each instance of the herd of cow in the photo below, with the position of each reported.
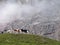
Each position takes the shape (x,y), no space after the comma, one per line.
(16,31)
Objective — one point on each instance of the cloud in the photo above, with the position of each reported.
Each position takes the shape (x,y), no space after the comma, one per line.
(13,11)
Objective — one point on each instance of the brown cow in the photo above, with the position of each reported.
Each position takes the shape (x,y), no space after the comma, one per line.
(17,30)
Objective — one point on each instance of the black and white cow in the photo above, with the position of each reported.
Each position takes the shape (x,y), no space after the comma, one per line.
(24,30)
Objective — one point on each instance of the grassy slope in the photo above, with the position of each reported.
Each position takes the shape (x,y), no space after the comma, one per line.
(25,39)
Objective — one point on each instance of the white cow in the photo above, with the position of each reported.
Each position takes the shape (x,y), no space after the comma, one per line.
(9,31)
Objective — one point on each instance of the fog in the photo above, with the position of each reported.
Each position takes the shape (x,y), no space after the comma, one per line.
(10,10)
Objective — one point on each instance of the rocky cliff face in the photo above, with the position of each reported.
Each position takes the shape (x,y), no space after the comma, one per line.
(46,29)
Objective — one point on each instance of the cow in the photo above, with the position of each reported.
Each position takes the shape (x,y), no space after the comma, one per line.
(24,30)
(5,30)
(17,30)
(2,32)
(8,31)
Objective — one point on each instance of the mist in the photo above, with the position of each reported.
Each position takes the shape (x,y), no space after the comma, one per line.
(10,10)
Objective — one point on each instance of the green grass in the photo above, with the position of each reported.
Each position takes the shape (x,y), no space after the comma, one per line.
(25,39)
